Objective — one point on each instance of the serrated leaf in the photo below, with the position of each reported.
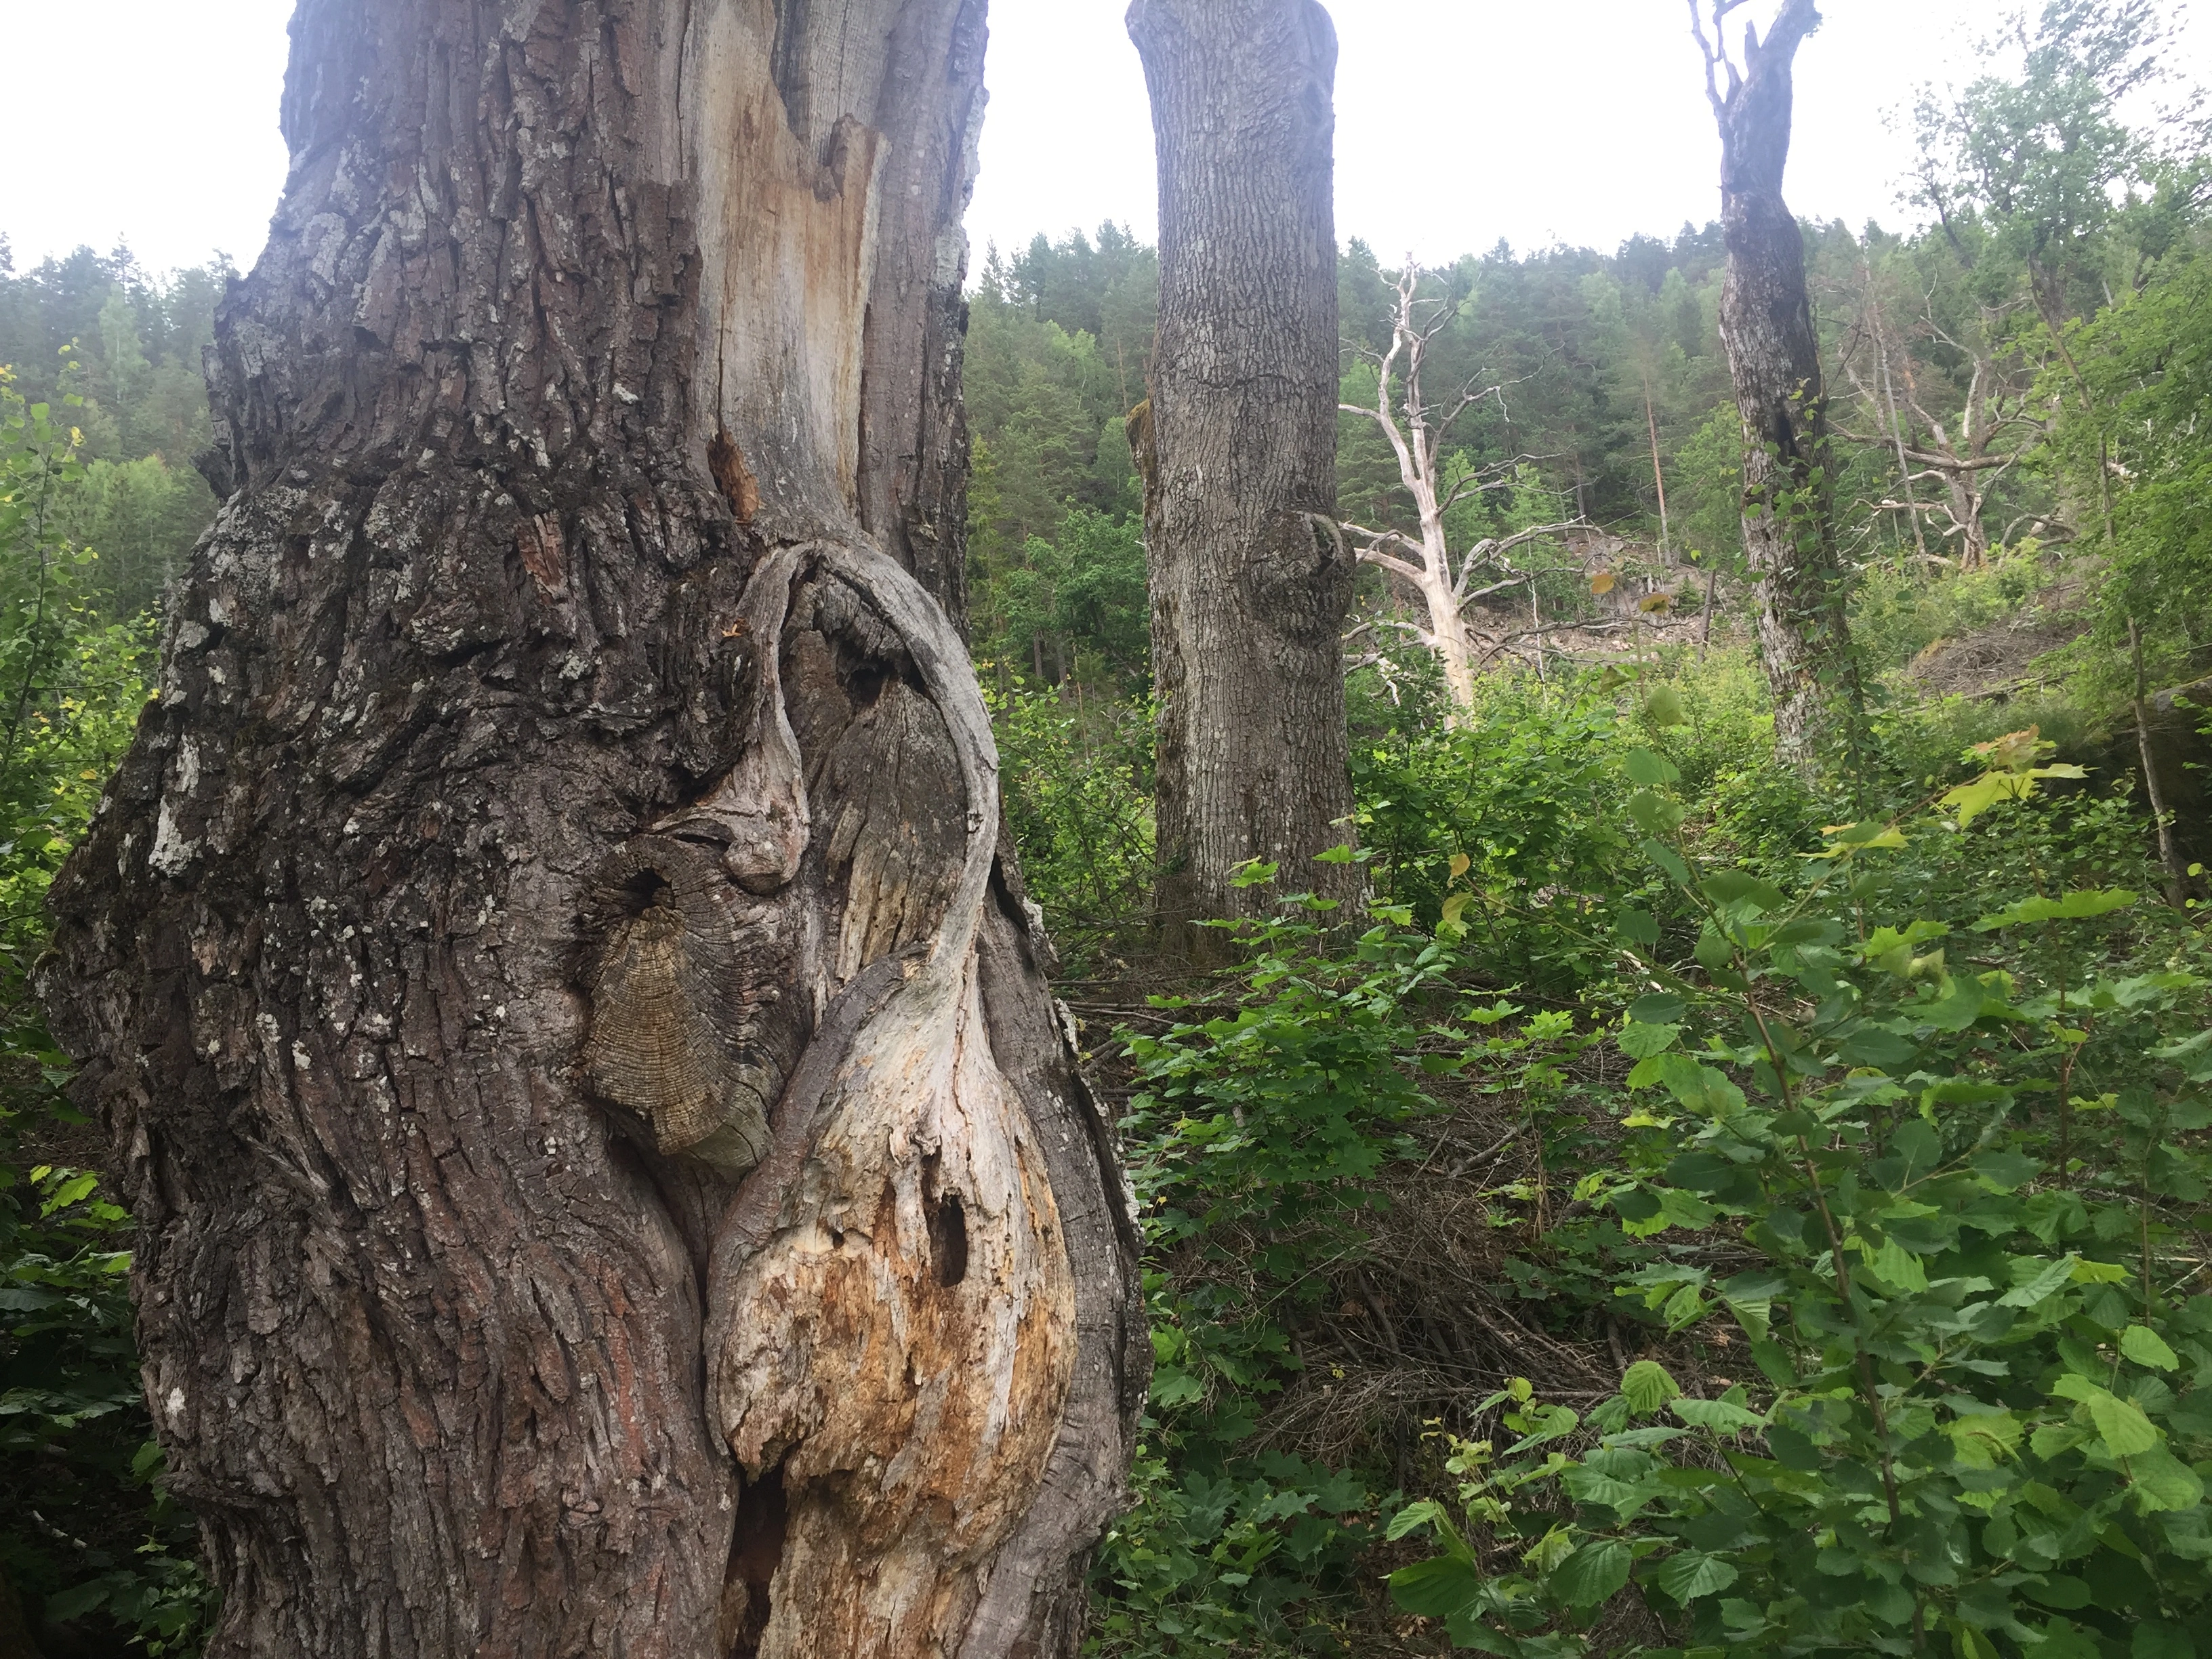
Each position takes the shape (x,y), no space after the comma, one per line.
(1691,1575)
(2046,1282)
(1970,800)
(1719,1416)
(2161,1481)
(1640,1042)
(1427,1512)
(1647,1387)
(2146,1347)
(1649,770)
(1593,1573)
(1588,1486)
(2075,905)
(1898,1268)
(1439,1588)
(2120,1422)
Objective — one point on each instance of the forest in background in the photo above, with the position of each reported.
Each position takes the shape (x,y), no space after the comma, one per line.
(1418,1198)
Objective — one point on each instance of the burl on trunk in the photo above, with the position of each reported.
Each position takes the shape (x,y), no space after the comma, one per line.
(611,1177)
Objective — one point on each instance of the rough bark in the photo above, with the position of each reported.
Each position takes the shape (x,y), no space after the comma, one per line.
(611,1178)
(1250,583)
(1774,358)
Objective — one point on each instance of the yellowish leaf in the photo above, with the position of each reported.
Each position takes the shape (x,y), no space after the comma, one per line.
(1603,583)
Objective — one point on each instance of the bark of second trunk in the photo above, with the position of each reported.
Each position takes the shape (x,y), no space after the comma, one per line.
(1250,582)
(1774,356)
(611,1179)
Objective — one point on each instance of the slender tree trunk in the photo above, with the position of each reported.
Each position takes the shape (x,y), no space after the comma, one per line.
(1250,581)
(1767,326)
(1897,432)
(610,1178)
(2169,850)
(1658,475)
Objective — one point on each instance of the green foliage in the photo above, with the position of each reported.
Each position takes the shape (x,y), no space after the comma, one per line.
(1980,1375)
(1077,798)
(129,344)
(108,1554)
(1254,1141)
(2147,363)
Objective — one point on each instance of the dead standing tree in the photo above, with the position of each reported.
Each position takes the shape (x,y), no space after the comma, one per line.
(1250,580)
(610,1177)
(1774,356)
(1965,453)
(1415,430)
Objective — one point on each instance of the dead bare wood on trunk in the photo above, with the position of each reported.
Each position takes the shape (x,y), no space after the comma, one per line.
(1416,430)
(611,1177)
(1237,447)
(1774,357)
(1965,451)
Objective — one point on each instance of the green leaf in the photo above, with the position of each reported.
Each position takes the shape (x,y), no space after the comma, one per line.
(1428,1512)
(1663,707)
(1640,1042)
(74,1603)
(1647,1386)
(2161,1481)
(1588,1486)
(1896,1267)
(1655,813)
(2046,1283)
(1667,860)
(1720,1416)
(1960,1005)
(1593,1573)
(1665,1008)
(1441,1588)
(1172,1386)
(2146,1347)
(1691,1575)
(1970,800)
(2161,1638)
(2072,907)
(1741,887)
(2121,1424)
(1649,770)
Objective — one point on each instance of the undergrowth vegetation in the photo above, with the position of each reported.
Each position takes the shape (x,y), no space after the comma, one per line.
(1717,1218)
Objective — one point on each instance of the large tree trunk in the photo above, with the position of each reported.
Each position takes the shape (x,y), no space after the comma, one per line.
(1774,356)
(611,1177)
(1250,581)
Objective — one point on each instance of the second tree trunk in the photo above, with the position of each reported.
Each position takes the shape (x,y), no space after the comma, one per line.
(1250,582)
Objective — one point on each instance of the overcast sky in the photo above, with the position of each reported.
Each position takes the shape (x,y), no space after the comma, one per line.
(1458,121)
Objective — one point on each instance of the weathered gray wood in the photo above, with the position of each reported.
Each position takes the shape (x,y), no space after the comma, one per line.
(1237,446)
(567,806)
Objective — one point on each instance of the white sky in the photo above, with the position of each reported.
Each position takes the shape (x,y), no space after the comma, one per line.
(1582,121)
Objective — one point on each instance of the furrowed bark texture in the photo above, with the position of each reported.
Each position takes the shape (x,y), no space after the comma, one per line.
(1237,445)
(611,1177)
(1774,356)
